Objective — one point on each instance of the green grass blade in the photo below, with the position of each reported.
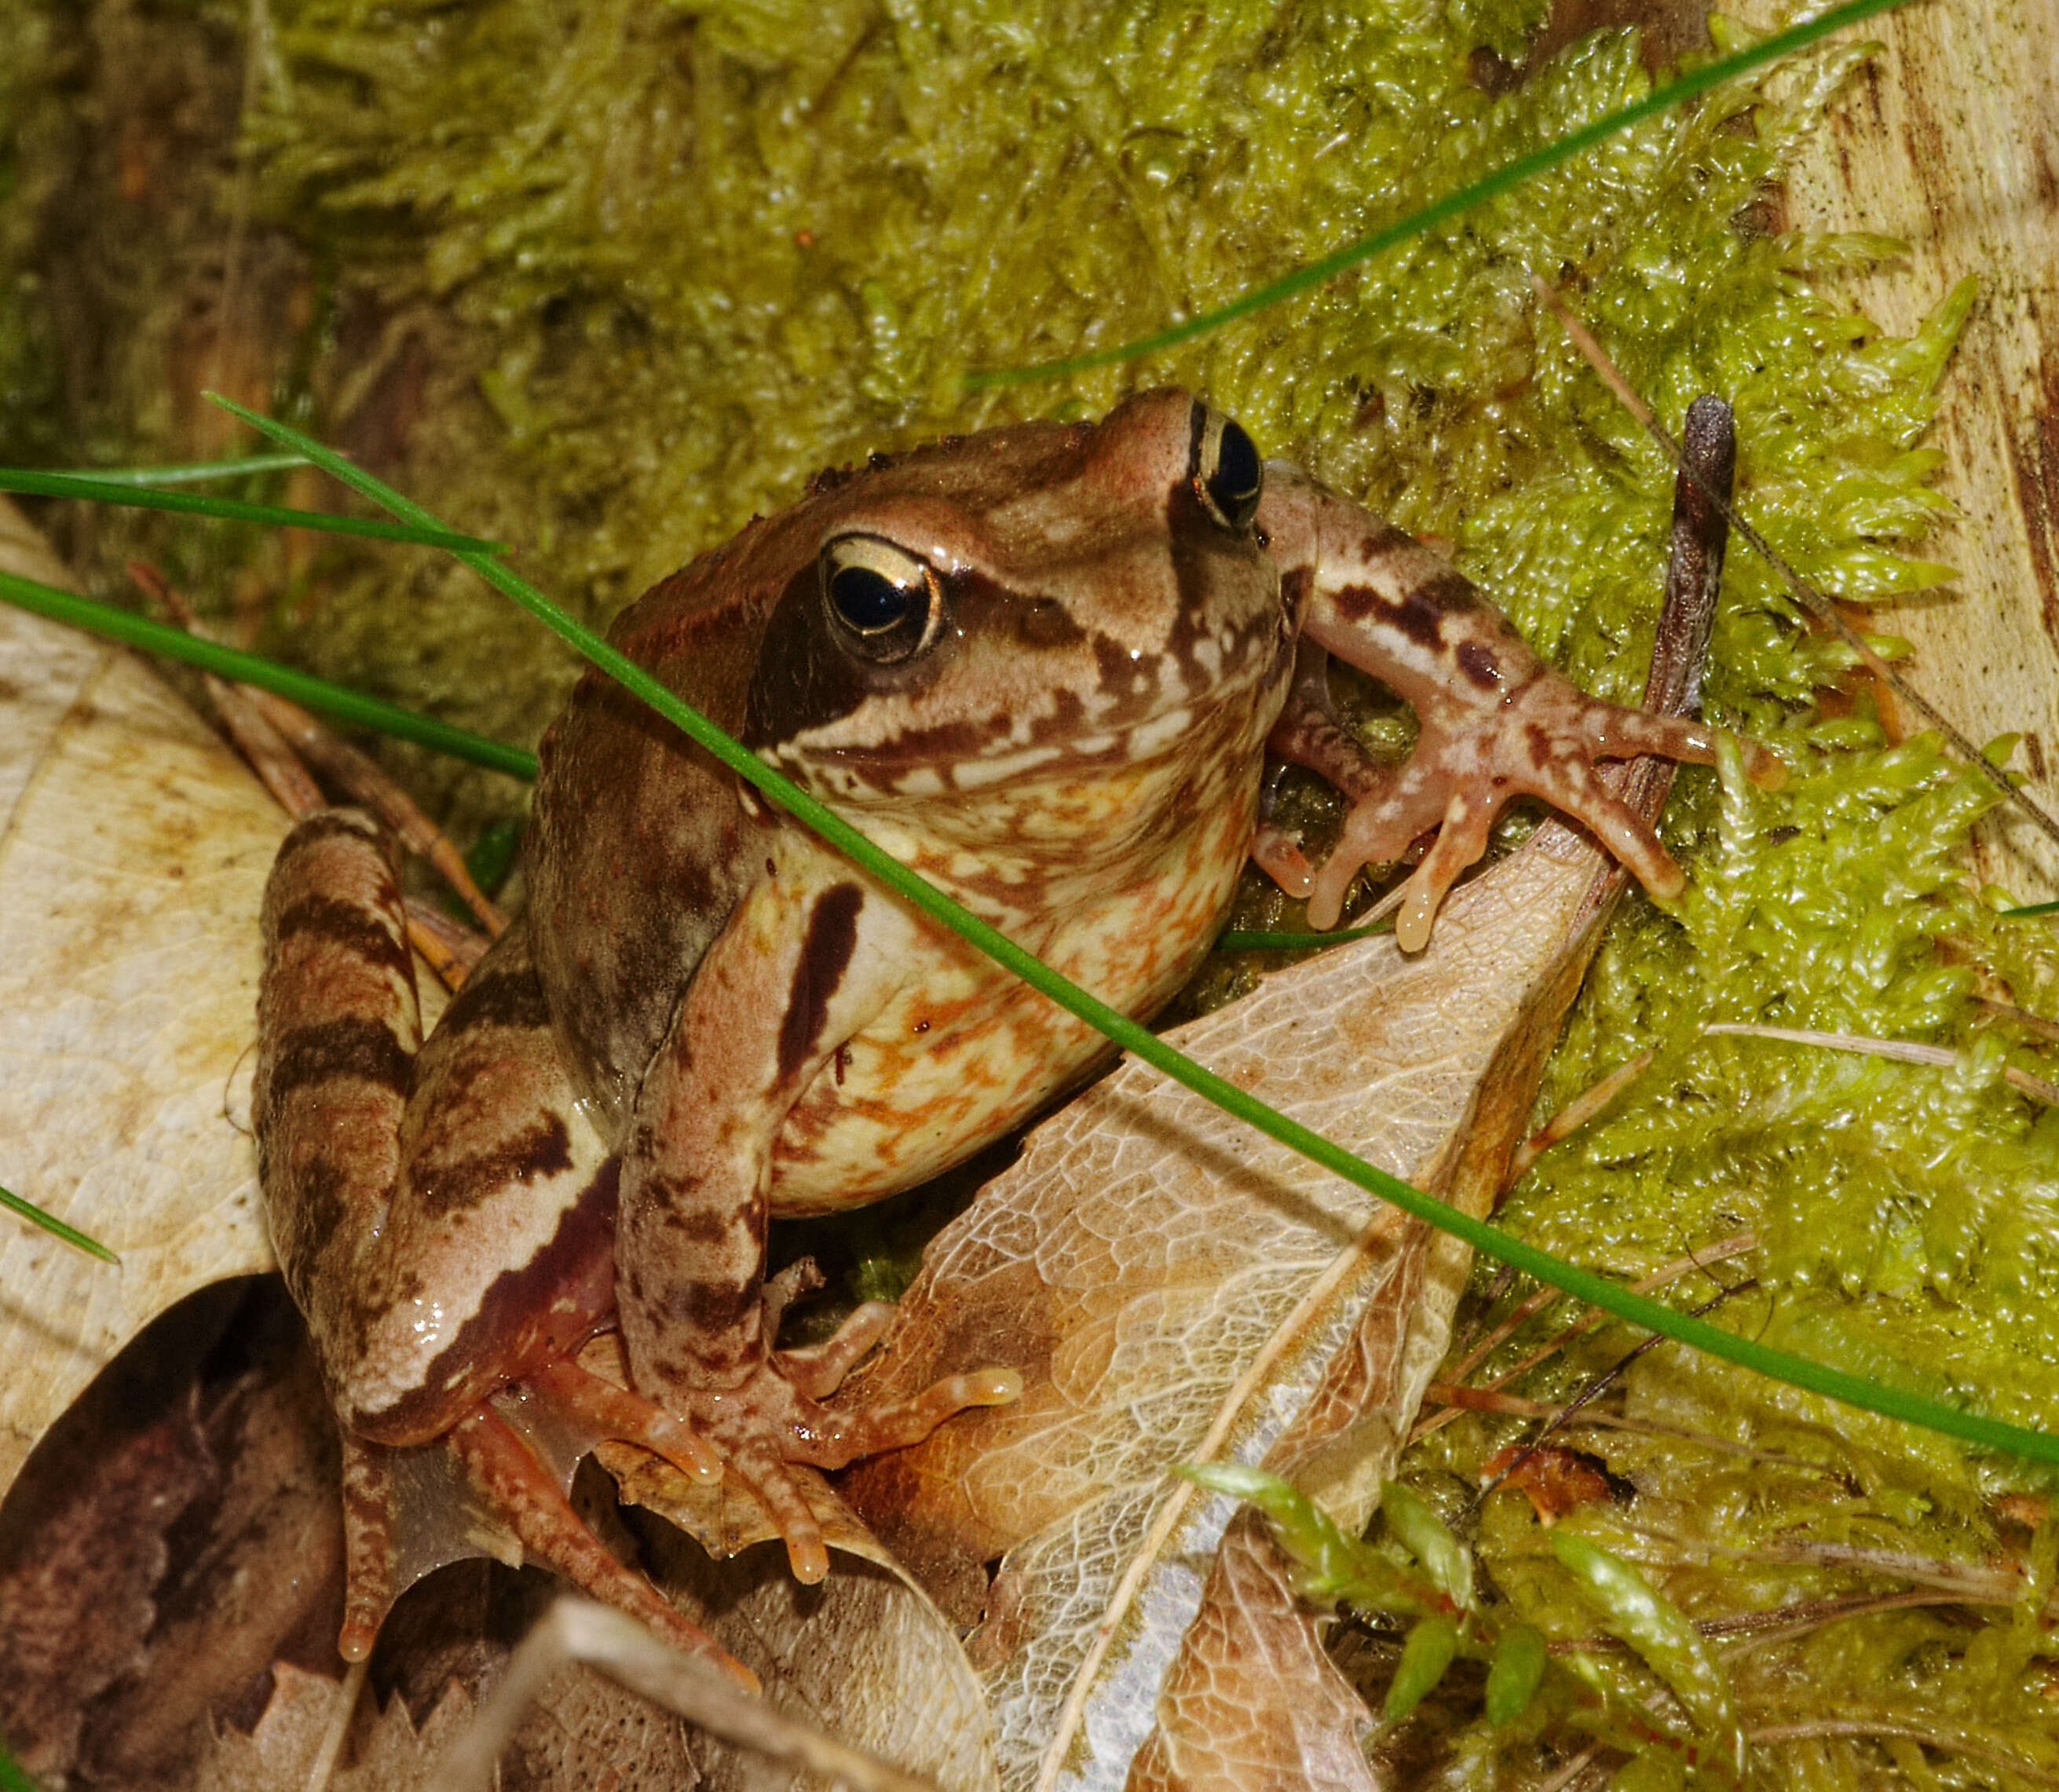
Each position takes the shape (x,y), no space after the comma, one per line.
(192,472)
(1442,210)
(229,510)
(352,708)
(2032,912)
(1583,1284)
(14,1776)
(55,1227)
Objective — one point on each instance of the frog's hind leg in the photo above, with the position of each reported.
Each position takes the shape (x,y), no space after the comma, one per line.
(339,1024)
(445,1220)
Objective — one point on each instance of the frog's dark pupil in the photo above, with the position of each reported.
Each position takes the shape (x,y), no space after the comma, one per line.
(1233,484)
(868,601)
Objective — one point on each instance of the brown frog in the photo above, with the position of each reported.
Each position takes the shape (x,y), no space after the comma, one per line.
(1041,665)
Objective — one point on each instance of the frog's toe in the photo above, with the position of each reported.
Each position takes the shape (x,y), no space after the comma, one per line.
(901,1423)
(1572,784)
(771,1423)
(819,1372)
(760,1464)
(523,1495)
(1609,732)
(617,1414)
(1378,832)
(1459,842)
(1276,853)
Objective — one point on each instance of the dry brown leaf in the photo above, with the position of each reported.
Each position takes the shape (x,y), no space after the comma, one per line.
(132,850)
(1174,1287)
(390,1754)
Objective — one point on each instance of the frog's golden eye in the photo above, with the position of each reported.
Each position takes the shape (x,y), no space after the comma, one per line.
(884,603)
(1228,476)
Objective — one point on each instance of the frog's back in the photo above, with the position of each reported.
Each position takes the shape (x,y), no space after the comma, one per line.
(641,844)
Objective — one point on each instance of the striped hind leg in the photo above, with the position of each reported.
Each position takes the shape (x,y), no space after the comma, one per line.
(445,1222)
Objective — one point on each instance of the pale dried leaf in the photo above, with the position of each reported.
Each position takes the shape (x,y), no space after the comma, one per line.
(1174,1287)
(1253,1633)
(132,850)
(386,1755)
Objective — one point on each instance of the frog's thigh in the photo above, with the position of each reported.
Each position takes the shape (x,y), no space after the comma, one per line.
(798,970)
(498,1254)
(337,1029)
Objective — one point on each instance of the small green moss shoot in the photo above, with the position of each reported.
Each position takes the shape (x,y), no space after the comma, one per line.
(663,262)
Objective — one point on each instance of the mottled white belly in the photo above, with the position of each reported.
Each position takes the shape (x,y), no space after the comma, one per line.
(966,1052)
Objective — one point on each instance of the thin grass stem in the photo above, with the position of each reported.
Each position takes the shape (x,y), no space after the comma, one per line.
(55,1227)
(352,707)
(191,472)
(228,510)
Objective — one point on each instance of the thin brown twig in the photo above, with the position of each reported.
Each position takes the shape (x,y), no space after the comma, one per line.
(363,782)
(1900,1051)
(253,718)
(1575,1114)
(1570,1772)
(1735,1245)
(2021,1016)
(1815,602)
(1752,1628)
(452,949)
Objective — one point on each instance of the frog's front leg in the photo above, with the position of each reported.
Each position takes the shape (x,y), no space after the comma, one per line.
(1495,722)
(800,968)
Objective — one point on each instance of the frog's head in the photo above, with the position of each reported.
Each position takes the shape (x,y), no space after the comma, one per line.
(1033,602)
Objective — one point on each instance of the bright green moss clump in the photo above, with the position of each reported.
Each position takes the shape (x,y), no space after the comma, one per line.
(664,264)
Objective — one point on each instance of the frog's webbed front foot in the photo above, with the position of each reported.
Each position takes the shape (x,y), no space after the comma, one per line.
(1495,722)
(777,1417)
(1540,740)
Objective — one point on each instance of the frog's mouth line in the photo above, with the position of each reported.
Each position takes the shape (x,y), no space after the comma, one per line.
(1219,689)
(949,763)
